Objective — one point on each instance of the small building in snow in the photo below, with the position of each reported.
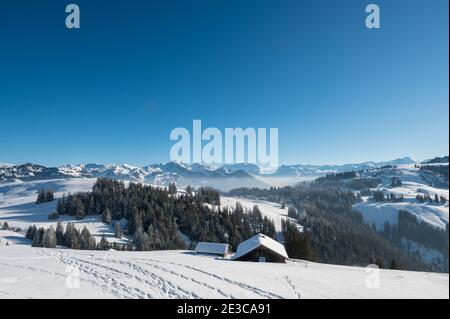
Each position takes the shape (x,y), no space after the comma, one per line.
(261,248)
(223,250)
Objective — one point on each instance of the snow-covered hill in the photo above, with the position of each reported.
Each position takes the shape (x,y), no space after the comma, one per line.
(62,273)
(413,183)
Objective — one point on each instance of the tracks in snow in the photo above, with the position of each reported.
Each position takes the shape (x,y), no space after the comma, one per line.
(149,278)
(260,293)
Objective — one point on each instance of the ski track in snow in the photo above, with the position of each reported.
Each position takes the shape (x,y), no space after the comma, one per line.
(257,291)
(122,284)
(117,282)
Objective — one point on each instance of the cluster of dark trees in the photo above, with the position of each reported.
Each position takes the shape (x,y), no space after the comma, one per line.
(155,217)
(441,159)
(335,232)
(409,228)
(335,177)
(427,198)
(348,180)
(45,196)
(378,196)
(209,195)
(441,170)
(382,265)
(71,237)
(296,243)
(363,184)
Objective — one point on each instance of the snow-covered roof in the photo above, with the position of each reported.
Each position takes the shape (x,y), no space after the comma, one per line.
(212,248)
(256,241)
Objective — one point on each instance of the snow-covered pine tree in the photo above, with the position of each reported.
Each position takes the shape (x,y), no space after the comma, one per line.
(118,230)
(59,234)
(106,216)
(103,244)
(49,238)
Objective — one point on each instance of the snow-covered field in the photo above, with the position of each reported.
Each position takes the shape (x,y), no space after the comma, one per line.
(62,273)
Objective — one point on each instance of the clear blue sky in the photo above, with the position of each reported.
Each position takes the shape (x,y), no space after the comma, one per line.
(112,91)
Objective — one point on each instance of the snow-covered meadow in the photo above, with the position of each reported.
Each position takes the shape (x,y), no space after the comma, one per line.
(28,272)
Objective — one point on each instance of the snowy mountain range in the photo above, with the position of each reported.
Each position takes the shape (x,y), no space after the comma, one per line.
(178,172)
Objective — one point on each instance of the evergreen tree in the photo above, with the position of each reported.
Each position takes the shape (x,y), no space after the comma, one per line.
(106,216)
(49,238)
(79,209)
(379,262)
(31,231)
(393,264)
(49,195)
(87,241)
(292,212)
(103,244)
(71,236)
(118,230)
(45,196)
(59,234)
(41,196)
(140,240)
(189,190)
(38,236)
(172,188)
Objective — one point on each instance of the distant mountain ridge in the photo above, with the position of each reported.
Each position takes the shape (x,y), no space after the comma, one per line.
(317,170)
(172,171)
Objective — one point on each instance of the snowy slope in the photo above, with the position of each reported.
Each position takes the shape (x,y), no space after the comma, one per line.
(413,184)
(272,211)
(27,272)
(18,208)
